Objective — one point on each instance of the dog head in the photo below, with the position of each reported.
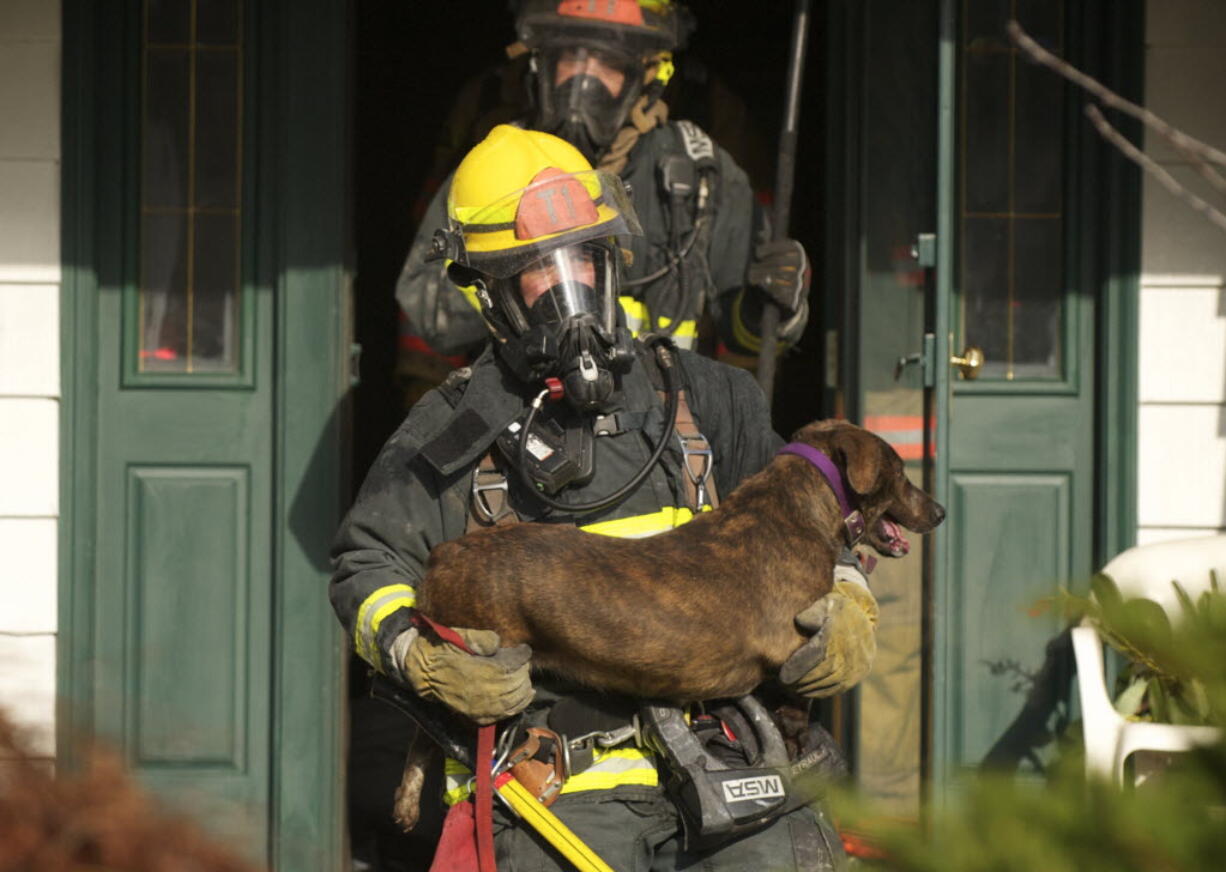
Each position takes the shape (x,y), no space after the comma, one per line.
(877,484)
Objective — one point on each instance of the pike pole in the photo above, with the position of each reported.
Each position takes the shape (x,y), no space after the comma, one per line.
(785,175)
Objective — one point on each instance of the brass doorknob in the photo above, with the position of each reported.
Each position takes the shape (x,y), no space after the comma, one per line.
(969,363)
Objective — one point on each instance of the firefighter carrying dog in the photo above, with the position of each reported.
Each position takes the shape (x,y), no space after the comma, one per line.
(540,236)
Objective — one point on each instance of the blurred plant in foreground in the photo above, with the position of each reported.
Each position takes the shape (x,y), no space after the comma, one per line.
(98,820)
(1176,672)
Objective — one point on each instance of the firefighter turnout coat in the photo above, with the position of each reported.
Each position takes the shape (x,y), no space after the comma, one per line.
(418,491)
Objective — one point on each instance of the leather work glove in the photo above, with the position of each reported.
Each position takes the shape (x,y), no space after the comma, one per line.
(841,651)
(488,685)
(779,268)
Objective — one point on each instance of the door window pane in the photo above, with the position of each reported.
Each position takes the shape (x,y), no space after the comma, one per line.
(191,187)
(1012,214)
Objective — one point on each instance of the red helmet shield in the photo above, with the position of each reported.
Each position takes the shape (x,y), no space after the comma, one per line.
(613,11)
(549,207)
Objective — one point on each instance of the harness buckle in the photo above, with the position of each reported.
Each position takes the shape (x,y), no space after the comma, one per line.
(705,457)
(485,481)
(580,751)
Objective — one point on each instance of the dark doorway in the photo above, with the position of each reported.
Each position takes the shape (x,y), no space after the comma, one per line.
(410,61)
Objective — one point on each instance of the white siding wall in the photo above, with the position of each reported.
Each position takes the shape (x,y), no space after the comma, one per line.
(1182,451)
(29,360)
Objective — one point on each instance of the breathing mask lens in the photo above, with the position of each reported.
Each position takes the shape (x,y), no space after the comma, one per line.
(567,298)
(568,285)
(587,94)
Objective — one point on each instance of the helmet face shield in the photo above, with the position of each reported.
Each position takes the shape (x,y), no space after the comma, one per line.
(566,285)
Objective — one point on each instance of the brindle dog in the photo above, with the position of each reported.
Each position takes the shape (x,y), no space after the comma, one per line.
(700,612)
(704,611)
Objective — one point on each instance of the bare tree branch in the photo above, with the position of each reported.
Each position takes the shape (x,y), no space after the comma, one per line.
(1151,166)
(1186,145)
(1212,176)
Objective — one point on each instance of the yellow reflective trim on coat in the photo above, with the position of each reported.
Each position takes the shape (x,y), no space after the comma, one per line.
(371,614)
(636,313)
(642,526)
(638,319)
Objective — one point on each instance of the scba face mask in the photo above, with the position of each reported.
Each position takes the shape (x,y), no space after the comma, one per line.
(586,94)
(561,311)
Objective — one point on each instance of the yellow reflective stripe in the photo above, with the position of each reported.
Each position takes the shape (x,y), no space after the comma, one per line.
(638,318)
(636,314)
(687,329)
(455,781)
(613,768)
(642,526)
(371,613)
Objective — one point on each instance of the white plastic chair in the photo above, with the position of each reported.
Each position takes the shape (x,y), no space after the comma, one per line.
(1144,571)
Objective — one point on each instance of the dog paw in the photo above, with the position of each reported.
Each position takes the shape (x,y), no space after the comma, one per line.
(406,807)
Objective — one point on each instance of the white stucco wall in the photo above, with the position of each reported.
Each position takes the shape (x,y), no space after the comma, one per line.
(29,360)
(1182,392)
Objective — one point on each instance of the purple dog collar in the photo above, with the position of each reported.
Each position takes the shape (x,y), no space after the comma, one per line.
(852,519)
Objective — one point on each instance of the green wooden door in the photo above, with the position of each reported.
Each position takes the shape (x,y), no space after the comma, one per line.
(1032,264)
(204,261)
(982,219)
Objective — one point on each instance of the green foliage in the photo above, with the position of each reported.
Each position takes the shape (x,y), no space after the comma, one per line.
(1175,674)
(1064,823)
(1002,824)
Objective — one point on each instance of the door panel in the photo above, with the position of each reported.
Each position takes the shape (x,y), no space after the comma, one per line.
(1020,460)
(190,525)
(1011,538)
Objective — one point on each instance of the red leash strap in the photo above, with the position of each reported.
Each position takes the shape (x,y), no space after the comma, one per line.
(484,798)
(445,633)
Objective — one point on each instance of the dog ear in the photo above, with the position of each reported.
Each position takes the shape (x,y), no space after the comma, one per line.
(862,460)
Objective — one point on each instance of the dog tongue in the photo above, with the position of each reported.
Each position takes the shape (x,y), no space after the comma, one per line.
(892,534)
